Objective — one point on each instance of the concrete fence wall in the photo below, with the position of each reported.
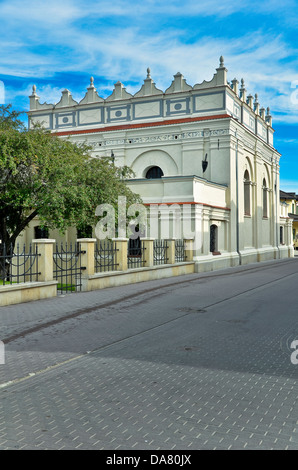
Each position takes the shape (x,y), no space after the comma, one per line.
(45,286)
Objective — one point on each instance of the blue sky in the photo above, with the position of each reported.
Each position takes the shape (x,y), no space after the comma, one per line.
(57,45)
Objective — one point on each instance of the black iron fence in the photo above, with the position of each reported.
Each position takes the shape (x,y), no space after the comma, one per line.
(68,267)
(105,256)
(160,250)
(21,264)
(18,264)
(180,251)
(135,253)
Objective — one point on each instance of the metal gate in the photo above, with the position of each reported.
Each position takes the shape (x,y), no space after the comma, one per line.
(68,268)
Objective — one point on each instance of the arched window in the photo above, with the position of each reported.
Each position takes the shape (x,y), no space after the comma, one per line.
(247,184)
(213,238)
(154,172)
(265,202)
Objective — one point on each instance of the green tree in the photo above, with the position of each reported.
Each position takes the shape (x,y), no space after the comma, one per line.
(42,174)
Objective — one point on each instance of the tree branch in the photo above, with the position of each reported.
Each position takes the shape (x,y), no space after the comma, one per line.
(23,224)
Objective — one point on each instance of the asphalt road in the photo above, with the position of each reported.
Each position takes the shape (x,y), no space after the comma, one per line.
(201,361)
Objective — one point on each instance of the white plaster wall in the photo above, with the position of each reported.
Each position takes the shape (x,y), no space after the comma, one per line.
(155,157)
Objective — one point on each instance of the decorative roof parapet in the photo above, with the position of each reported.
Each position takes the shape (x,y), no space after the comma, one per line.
(219,78)
(221,75)
(178,84)
(149,87)
(34,101)
(119,93)
(91,96)
(256,105)
(242,91)
(235,84)
(66,100)
(262,113)
(268,117)
(34,98)
(250,101)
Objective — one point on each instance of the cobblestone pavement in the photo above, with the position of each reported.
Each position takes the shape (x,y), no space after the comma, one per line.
(195,362)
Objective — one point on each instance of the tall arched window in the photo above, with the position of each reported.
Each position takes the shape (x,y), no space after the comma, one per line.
(154,172)
(247,184)
(265,201)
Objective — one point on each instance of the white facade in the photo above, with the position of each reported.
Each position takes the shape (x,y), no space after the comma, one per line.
(231,208)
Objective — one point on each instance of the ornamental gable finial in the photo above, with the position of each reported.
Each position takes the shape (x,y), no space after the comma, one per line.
(91,96)
(148,88)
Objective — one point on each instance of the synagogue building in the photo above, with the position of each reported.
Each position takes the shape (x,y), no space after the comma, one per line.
(203,157)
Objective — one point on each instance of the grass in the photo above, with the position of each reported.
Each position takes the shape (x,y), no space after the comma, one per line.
(66,287)
(7,283)
(61,287)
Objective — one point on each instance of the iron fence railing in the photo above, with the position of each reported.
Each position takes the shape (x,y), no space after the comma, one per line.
(135,253)
(160,250)
(179,251)
(68,267)
(105,256)
(18,264)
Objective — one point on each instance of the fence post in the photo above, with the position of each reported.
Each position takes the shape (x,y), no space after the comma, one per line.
(148,251)
(188,243)
(86,246)
(45,260)
(171,252)
(121,247)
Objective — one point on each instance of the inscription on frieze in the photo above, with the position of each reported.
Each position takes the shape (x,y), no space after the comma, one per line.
(158,138)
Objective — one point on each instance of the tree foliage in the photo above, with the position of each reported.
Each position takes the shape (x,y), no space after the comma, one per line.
(42,174)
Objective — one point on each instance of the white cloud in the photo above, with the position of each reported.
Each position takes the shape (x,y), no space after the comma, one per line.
(43,38)
(189,8)
(290,186)
(39,13)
